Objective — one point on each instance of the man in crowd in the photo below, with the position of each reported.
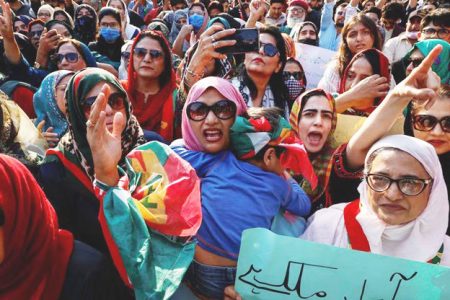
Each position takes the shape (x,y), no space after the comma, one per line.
(391,18)
(276,16)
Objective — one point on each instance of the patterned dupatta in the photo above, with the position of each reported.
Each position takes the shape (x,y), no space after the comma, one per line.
(323,161)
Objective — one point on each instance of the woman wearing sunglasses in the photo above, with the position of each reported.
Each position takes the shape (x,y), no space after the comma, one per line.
(261,79)
(67,172)
(37,259)
(294,79)
(151,84)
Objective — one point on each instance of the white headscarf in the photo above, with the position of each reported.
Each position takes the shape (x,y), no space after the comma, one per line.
(421,238)
(123,72)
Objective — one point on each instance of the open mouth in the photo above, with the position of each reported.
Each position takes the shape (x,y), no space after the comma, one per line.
(212,135)
(314,138)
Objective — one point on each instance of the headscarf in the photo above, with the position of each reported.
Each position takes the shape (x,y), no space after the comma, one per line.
(68,20)
(159,25)
(298,27)
(205,17)
(74,144)
(37,252)
(158,113)
(48,8)
(176,26)
(50,24)
(44,102)
(23,18)
(19,137)
(225,88)
(322,161)
(85,27)
(441,65)
(380,66)
(249,136)
(424,235)
(123,73)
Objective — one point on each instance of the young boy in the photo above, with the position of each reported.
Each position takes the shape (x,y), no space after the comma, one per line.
(240,194)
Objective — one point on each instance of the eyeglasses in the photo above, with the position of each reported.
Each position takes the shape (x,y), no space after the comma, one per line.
(126,55)
(36,33)
(441,32)
(269,50)
(427,123)
(297,75)
(296,11)
(142,52)
(116,101)
(414,61)
(408,186)
(71,57)
(223,109)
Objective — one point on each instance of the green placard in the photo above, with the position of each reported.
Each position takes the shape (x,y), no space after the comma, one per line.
(276,267)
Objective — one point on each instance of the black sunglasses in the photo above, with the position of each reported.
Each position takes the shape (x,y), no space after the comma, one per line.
(70,57)
(115,100)
(297,75)
(142,52)
(223,109)
(414,61)
(269,50)
(427,123)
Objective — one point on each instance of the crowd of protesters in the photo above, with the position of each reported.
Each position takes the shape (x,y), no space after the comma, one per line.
(136,145)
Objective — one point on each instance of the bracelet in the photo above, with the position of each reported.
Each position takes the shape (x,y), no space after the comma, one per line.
(198,76)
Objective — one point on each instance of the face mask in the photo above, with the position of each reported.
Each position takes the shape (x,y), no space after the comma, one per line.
(196,21)
(110,34)
(308,41)
(413,35)
(85,22)
(295,88)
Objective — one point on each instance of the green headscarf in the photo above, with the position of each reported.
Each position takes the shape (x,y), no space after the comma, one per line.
(442,64)
(74,144)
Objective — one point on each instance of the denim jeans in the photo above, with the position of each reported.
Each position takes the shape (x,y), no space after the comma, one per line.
(210,281)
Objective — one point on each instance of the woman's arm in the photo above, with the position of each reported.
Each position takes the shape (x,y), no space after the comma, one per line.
(421,85)
(177,47)
(12,51)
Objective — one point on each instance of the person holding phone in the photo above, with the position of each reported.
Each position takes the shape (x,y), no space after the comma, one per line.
(260,81)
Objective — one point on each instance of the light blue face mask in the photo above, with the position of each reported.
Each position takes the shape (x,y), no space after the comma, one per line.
(110,34)
(196,21)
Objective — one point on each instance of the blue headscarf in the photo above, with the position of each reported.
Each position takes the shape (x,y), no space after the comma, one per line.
(45,106)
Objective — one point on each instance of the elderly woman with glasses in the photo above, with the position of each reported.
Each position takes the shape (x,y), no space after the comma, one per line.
(403,206)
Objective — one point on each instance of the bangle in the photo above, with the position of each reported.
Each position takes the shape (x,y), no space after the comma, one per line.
(198,76)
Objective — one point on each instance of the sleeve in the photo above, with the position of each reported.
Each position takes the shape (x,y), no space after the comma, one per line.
(296,202)
(327,16)
(350,11)
(330,79)
(389,49)
(26,73)
(152,263)
(340,165)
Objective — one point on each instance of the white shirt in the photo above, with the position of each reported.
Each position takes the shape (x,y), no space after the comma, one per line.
(396,48)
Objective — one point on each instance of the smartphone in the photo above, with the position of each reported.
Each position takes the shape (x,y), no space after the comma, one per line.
(247,40)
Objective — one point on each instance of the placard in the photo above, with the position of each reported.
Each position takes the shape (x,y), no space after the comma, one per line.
(277,267)
(314,61)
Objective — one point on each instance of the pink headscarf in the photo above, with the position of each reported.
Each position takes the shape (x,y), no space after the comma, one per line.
(225,88)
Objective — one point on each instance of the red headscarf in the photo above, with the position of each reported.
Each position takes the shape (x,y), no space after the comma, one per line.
(158,114)
(380,66)
(36,251)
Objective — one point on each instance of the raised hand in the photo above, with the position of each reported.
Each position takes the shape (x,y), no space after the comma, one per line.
(421,85)
(50,136)
(105,145)
(6,23)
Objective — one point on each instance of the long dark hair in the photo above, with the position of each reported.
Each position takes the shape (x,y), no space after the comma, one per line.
(276,82)
(165,76)
(344,53)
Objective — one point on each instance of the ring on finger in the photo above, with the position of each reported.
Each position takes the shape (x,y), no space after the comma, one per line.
(90,124)
(215,45)
(213,40)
